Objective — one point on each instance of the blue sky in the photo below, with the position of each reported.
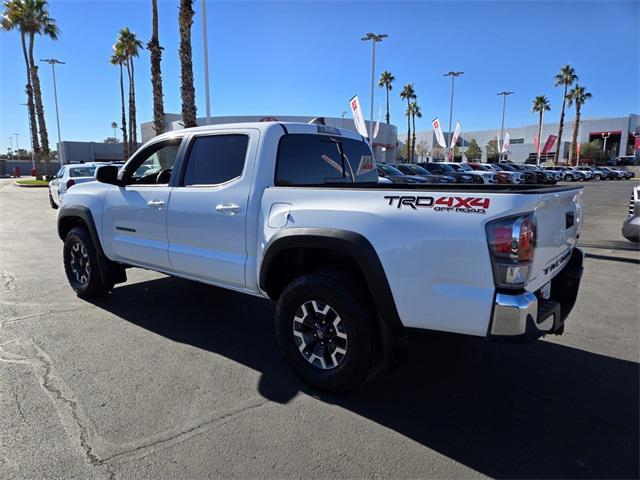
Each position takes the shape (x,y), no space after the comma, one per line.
(306,58)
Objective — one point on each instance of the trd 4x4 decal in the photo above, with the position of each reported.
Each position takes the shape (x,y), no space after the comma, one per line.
(441,204)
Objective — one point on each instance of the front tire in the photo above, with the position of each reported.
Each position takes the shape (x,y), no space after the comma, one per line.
(53,204)
(597,177)
(325,330)
(81,265)
(569,178)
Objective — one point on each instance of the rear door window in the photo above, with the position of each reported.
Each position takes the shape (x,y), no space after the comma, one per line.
(307,159)
(216,159)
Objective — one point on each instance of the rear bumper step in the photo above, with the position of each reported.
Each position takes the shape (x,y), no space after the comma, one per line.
(525,317)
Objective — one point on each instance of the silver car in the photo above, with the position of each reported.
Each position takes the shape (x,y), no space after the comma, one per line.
(67,177)
(631,226)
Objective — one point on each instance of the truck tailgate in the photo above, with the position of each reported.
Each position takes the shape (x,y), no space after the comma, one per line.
(558,222)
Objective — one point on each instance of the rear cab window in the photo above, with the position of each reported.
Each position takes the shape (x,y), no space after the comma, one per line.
(312,159)
(215,159)
(82,171)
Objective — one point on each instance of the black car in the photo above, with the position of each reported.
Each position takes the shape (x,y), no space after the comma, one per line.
(529,176)
(413,169)
(396,176)
(436,168)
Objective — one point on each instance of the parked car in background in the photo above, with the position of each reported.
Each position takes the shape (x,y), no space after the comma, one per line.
(500,176)
(614,173)
(440,168)
(544,176)
(67,177)
(631,226)
(529,176)
(413,169)
(595,173)
(480,176)
(627,160)
(396,176)
(587,174)
(626,173)
(568,175)
(516,177)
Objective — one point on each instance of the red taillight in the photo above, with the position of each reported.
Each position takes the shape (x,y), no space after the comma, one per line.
(70,183)
(512,243)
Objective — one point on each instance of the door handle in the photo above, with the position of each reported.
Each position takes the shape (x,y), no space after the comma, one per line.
(155,203)
(228,208)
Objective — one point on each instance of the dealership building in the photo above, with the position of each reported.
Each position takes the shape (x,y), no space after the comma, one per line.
(384,144)
(622,137)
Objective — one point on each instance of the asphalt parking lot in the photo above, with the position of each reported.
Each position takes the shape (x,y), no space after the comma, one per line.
(172,379)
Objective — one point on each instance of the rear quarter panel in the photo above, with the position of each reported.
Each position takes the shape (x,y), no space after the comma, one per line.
(436,261)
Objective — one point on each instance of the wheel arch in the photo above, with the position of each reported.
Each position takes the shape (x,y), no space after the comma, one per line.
(290,248)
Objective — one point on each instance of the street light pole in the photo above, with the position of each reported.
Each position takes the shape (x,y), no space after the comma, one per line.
(375,38)
(205,54)
(33,160)
(453,76)
(53,62)
(504,94)
(17,145)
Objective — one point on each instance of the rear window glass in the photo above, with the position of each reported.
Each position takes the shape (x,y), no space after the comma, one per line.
(82,171)
(306,159)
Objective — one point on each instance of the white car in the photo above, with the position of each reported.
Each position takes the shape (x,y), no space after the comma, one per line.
(68,176)
(487,177)
(294,213)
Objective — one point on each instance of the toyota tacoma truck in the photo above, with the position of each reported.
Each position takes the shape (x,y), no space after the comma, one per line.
(294,213)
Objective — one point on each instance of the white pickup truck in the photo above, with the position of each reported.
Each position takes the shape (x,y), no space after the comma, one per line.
(293,213)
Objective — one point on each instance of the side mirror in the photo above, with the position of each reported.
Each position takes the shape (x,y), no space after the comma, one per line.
(108,174)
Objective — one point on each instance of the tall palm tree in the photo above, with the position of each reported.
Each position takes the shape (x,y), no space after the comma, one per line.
(187,90)
(16,17)
(577,95)
(408,93)
(130,46)
(156,74)
(565,78)
(386,80)
(41,24)
(540,105)
(119,58)
(415,112)
(114,125)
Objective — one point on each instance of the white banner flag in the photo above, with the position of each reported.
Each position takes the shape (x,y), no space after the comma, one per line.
(498,140)
(377,127)
(438,131)
(358,119)
(505,144)
(456,134)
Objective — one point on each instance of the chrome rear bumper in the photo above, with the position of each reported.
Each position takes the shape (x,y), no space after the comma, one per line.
(526,316)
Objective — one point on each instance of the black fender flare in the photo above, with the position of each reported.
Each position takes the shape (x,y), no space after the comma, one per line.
(109,271)
(362,252)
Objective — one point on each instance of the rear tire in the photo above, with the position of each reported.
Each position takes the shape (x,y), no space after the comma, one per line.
(597,177)
(569,178)
(325,330)
(53,204)
(81,265)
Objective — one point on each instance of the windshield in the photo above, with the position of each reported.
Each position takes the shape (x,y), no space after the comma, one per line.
(465,168)
(419,170)
(82,171)
(389,170)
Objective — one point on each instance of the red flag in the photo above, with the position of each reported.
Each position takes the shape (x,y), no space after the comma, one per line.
(536,142)
(549,145)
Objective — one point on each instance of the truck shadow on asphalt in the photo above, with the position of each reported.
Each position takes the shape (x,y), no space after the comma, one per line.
(540,410)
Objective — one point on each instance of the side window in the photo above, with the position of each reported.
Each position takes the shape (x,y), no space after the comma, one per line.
(155,165)
(215,159)
(307,159)
(60,173)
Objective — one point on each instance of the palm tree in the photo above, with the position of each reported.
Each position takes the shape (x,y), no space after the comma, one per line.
(187,90)
(119,58)
(386,79)
(415,112)
(540,105)
(15,17)
(577,95)
(408,93)
(129,44)
(156,74)
(114,125)
(566,78)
